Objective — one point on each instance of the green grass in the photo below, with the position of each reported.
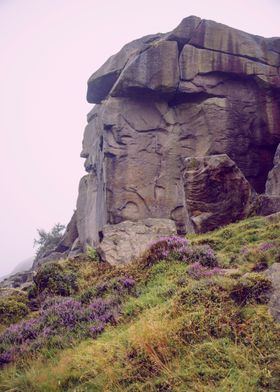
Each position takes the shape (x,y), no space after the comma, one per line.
(175,333)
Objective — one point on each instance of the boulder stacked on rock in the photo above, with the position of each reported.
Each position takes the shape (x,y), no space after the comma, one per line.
(165,100)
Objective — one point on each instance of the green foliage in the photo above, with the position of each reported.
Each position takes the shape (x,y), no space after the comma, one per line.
(48,241)
(92,253)
(174,333)
(12,310)
(53,279)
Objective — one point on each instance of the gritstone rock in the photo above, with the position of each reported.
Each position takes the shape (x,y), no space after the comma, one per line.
(203,89)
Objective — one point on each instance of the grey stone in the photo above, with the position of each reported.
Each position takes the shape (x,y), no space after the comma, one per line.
(156,70)
(217,193)
(267,205)
(274,304)
(126,241)
(202,90)
(101,82)
(184,31)
(70,235)
(273,180)
(222,38)
(17,280)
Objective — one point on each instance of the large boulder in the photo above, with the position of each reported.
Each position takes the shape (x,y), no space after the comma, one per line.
(126,241)
(203,89)
(217,192)
(101,82)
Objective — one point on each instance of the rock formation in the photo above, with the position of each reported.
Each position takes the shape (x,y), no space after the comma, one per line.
(203,89)
(217,193)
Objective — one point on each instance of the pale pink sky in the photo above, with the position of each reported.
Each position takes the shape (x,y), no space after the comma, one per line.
(48,49)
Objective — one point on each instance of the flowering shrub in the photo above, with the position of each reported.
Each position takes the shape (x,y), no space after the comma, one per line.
(65,317)
(116,287)
(65,313)
(205,255)
(172,247)
(178,248)
(127,283)
(95,330)
(198,271)
(6,357)
(265,246)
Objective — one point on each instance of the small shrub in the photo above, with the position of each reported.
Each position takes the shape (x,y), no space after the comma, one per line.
(205,255)
(172,247)
(266,246)
(198,271)
(251,287)
(96,330)
(12,310)
(32,292)
(92,253)
(177,248)
(87,296)
(48,241)
(54,280)
(6,357)
(261,265)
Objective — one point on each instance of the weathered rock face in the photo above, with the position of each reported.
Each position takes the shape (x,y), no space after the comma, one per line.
(217,193)
(203,89)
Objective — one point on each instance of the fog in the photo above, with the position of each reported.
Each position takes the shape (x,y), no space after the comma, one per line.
(48,51)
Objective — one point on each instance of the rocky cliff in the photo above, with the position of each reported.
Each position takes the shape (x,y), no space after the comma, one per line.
(203,91)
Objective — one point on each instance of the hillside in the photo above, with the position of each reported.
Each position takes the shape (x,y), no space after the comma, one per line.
(189,315)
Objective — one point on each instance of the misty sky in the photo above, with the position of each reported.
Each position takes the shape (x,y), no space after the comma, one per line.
(49,48)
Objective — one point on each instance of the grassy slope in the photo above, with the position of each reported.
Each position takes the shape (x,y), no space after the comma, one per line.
(177,333)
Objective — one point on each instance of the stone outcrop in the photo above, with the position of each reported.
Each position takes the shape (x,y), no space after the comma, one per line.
(274,304)
(217,193)
(203,89)
(22,280)
(273,181)
(126,241)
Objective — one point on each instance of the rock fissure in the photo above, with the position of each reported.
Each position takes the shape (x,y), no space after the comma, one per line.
(254,59)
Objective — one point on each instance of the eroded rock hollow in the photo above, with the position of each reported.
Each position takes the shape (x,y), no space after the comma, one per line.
(202,90)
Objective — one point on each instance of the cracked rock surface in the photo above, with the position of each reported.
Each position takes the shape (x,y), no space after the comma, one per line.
(203,89)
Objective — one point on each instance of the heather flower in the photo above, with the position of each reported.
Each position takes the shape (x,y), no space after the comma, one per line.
(21,332)
(265,246)
(95,330)
(168,248)
(198,271)
(6,357)
(101,289)
(98,308)
(127,283)
(205,255)
(66,313)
